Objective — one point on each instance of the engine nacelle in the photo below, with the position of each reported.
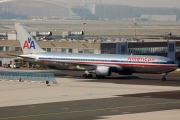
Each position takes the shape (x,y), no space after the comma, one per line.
(81,33)
(4,34)
(41,33)
(44,33)
(103,71)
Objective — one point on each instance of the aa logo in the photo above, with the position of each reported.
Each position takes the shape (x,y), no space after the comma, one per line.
(29,44)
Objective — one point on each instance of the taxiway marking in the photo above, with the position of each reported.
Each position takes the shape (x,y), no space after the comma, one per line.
(95,110)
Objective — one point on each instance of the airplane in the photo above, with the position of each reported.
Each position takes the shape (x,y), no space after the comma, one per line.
(101,65)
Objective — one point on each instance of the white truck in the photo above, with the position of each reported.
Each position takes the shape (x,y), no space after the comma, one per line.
(14,64)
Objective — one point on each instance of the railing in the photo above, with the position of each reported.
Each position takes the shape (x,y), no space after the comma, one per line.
(28,77)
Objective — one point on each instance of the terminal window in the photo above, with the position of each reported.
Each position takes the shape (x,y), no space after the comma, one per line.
(147,50)
(63,50)
(70,50)
(7,49)
(18,49)
(1,48)
(171,47)
(48,49)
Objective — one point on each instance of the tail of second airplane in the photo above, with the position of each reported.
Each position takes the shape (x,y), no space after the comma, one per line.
(28,44)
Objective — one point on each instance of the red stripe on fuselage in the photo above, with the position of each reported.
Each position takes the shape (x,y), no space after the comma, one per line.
(44,61)
(125,64)
(118,64)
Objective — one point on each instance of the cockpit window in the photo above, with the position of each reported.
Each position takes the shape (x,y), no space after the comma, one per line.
(170,62)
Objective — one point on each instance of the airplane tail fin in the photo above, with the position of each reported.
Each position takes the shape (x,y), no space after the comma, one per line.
(28,44)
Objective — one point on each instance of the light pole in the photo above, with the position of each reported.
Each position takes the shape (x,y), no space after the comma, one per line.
(135,24)
(119,34)
(84,27)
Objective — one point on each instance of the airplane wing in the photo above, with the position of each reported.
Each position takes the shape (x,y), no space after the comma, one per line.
(83,65)
(19,56)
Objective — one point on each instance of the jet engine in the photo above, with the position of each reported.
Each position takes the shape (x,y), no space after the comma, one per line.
(103,71)
(44,33)
(41,33)
(81,33)
(4,34)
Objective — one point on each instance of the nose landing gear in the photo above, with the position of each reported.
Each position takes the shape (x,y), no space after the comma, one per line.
(164,76)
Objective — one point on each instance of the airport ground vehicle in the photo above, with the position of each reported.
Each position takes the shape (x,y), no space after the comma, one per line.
(5,65)
(15,64)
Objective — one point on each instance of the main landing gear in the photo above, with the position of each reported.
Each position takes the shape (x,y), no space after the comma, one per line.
(87,75)
(90,76)
(164,76)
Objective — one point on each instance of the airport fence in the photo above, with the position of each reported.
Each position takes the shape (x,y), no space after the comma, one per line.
(28,77)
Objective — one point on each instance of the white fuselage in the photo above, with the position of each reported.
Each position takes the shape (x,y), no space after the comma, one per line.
(122,63)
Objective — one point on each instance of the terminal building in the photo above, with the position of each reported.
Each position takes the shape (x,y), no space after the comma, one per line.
(161,48)
(82,9)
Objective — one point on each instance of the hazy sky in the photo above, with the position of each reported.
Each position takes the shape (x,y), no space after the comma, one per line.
(140,3)
(152,3)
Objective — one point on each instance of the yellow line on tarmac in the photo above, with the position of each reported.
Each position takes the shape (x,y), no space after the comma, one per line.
(103,109)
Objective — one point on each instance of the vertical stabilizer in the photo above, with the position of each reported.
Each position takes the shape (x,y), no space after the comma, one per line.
(28,44)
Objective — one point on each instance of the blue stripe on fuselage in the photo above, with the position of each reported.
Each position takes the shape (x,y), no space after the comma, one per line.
(99,60)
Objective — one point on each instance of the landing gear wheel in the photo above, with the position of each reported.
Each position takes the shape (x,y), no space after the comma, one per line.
(85,76)
(164,76)
(89,75)
(163,79)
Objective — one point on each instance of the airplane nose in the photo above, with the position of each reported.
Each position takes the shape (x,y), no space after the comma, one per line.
(176,67)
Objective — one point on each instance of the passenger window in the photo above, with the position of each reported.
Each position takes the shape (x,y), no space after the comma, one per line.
(170,62)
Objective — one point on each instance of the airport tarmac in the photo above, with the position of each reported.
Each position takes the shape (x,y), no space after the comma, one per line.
(137,97)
